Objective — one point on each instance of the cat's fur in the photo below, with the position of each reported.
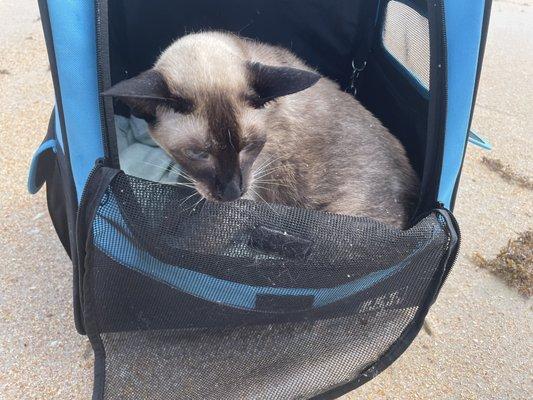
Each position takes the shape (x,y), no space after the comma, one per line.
(311,145)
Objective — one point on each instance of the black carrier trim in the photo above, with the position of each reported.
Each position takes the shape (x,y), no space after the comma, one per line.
(437,107)
(109,137)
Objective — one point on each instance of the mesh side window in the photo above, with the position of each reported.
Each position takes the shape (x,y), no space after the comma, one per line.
(405,37)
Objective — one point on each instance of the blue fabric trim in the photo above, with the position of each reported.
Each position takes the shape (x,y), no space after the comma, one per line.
(477,140)
(207,287)
(464,20)
(33,187)
(73,31)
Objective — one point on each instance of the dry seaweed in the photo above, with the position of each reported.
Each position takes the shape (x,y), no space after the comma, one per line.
(514,263)
(507,173)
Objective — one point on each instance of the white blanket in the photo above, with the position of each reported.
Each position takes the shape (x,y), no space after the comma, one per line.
(139,155)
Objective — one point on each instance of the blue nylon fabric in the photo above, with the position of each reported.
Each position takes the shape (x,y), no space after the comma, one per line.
(32,175)
(464,20)
(74,36)
(207,287)
(477,140)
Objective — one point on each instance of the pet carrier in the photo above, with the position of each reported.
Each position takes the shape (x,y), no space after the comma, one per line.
(252,300)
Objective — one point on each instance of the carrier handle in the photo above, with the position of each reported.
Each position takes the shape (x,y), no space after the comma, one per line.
(43,160)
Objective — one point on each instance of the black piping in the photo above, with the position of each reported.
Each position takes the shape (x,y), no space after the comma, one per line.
(438,96)
(109,139)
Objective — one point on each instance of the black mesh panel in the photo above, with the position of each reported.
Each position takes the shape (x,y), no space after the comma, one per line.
(246,300)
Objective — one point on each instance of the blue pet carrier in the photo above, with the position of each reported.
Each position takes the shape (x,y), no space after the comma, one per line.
(247,300)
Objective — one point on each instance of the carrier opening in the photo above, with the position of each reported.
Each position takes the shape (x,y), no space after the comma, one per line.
(378,51)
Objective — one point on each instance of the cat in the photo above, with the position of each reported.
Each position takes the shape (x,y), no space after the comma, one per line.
(244,119)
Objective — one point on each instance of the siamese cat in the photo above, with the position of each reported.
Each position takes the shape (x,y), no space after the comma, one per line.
(249,120)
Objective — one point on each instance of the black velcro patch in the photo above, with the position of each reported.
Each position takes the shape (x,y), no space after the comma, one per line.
(281,243)
(268,302)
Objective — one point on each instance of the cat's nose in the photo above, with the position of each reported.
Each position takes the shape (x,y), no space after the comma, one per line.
(229,192)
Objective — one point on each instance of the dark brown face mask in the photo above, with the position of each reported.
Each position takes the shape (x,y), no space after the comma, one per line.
(221,162)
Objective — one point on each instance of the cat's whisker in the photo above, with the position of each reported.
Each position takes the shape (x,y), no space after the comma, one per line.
(183,175)
(268,162)
(185,184)
(196,204)
(272,182)
(187,198)
(269,206)
(261,187)
(261,174)
(268,167)
(261,168)
(156,165)
(171,168)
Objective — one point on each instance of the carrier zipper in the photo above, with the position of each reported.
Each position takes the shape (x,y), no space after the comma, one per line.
(102,70)
(443,106)
(447,214)
(438,87)
(100,76)
(79,242)
(450,221)
(83,199)
(97,182)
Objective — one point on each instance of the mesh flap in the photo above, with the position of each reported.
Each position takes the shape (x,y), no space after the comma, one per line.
(247,300)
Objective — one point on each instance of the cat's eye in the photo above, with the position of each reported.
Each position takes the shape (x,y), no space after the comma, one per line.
(254,145)
(196,154)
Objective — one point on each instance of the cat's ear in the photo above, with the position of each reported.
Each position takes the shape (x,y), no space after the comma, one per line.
(271,82)
(142,93)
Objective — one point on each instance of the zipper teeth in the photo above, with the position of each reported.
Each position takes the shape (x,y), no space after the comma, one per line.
(99,69)
(454,256)
(456,252)
(444,71)
(444,67)
(445,53)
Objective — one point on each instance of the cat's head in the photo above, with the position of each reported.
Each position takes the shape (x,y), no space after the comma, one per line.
(207,105)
